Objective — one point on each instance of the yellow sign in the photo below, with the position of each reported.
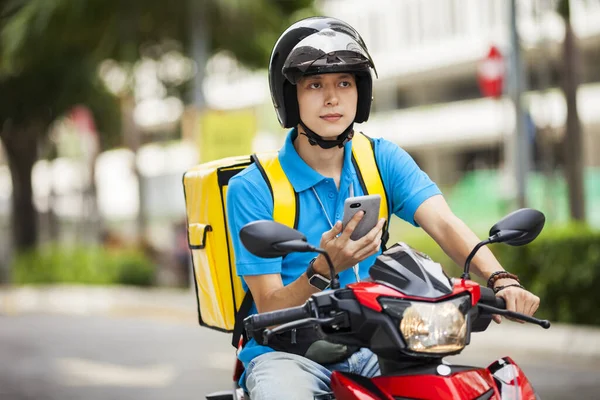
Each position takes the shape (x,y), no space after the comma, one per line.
(226,133)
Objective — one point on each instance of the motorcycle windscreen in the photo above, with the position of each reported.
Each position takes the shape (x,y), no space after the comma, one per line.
(326,51)
(411,271)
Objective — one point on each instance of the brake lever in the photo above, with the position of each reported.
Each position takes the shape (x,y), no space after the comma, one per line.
(267,333)
(544,323)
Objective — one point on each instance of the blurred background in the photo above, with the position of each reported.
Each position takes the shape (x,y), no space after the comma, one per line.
(104,105)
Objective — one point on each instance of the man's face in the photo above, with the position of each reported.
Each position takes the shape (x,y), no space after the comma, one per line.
(327,103)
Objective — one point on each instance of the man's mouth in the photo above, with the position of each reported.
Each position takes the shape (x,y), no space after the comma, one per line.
(331,117)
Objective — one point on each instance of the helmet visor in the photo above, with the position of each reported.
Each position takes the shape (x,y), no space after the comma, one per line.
(326,51)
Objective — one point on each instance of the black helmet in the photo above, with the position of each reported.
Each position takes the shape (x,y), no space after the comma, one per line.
(313,46)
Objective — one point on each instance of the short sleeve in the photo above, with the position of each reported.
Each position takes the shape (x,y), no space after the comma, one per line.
(406,184)
(249,200)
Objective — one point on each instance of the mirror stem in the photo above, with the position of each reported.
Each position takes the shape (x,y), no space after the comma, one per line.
(466,275)
(335,282)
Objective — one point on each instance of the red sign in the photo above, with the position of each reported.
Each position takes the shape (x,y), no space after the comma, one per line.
(490,73)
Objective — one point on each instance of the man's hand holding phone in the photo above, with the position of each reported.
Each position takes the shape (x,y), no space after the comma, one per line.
(345,252)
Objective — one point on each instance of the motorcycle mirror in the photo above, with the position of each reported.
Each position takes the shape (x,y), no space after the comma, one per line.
(518,228)
(270,239)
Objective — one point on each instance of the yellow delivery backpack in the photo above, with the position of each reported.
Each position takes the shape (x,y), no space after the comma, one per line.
(222,302)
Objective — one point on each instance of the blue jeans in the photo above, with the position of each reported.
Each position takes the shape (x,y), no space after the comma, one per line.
(278,375)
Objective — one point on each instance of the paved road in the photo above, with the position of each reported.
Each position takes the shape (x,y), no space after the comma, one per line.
(68,357)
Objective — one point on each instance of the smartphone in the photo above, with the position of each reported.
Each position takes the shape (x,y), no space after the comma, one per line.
(370,205)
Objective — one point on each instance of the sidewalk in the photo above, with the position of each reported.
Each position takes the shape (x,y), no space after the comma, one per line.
(158,303)
(179,305)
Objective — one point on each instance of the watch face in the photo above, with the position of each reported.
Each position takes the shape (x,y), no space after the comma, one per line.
(319,282)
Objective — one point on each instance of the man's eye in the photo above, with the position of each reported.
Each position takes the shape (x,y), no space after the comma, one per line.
(314,85)
(345,84)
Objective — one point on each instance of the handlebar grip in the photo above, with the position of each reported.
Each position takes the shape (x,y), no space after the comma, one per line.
(278,317)
(499,303)
(491,304)
(488,297)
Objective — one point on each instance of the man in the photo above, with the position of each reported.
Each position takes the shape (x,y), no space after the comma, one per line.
(320,80)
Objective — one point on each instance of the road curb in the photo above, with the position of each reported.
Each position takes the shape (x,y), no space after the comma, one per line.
(180,305)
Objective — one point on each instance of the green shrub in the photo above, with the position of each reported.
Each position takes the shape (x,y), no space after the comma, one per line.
(83,265)
(562,267)
(135,269)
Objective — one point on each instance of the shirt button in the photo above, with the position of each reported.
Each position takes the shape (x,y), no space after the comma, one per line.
(337,216)
(331,195)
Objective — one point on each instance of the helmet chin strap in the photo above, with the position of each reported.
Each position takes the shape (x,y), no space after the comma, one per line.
(316,140)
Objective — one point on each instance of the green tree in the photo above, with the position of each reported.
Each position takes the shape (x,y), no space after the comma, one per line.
(50,51)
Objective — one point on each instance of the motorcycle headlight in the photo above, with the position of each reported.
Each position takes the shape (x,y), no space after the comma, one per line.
(431,327)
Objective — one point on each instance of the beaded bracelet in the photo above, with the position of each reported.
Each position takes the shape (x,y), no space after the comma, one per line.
(499,288)
(500,275)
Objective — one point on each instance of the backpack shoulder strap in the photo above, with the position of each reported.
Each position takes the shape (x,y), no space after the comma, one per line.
(285,211)
(363,158)
(285,199)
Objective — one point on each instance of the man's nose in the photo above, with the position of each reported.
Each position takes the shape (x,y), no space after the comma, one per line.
(331,98)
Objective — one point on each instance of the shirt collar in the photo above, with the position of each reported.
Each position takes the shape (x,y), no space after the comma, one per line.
(299,173)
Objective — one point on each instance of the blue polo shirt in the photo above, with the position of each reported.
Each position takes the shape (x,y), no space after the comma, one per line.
(249,199)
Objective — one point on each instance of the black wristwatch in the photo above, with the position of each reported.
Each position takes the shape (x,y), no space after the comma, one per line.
(315,279)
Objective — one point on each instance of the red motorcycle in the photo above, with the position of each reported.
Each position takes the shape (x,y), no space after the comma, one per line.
(410,314)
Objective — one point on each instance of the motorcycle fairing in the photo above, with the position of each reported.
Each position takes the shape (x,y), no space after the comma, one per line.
(510,380)
(347,386)
(464,384)
(367,293)
(502,380)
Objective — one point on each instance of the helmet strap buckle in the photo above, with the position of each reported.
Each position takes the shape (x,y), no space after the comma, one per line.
(315,140)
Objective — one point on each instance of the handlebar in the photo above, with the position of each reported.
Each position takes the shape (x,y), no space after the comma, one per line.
(489,303)
(278,317)
(489,298)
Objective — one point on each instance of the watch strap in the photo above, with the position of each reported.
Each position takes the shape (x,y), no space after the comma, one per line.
(315,279)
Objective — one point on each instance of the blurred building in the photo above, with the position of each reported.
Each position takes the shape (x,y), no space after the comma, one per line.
(427,98)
